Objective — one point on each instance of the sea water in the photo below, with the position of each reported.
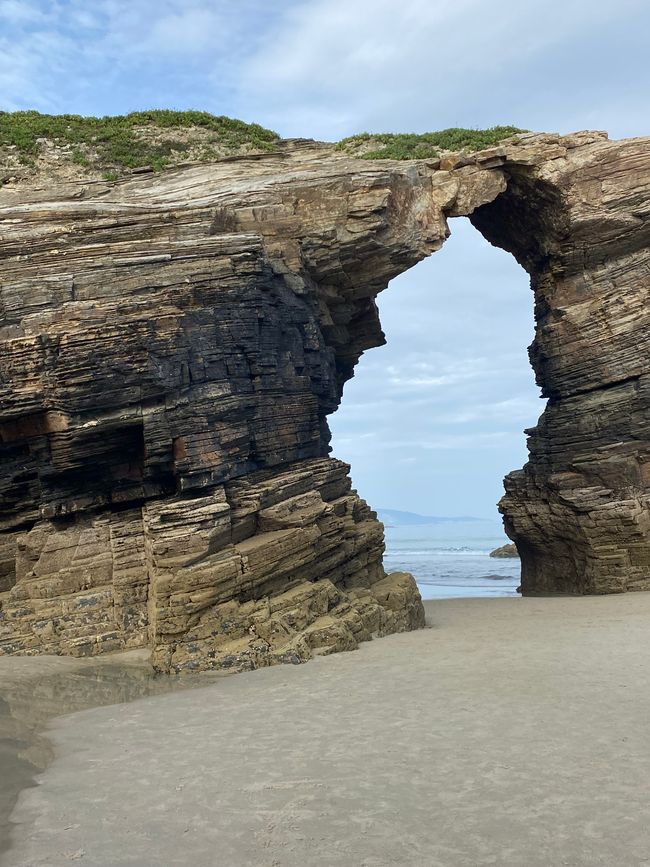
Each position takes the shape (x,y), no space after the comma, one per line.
(452,559)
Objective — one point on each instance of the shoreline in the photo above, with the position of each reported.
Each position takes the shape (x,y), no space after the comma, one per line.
(34,690)
(514,731)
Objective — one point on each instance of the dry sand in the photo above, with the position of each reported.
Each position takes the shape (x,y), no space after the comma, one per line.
(515,732)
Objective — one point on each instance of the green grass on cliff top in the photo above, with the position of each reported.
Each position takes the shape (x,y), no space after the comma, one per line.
(142,138)
(414,146)
(160,138)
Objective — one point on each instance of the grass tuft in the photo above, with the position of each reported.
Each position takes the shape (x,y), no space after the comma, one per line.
(427,145)
(154,138)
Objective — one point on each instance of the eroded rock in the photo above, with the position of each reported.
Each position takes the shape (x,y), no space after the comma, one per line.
(172,346)
(504,551)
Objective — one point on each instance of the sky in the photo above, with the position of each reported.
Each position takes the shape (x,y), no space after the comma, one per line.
(433,420)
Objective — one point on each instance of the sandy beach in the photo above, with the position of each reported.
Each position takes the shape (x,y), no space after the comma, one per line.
(513,732)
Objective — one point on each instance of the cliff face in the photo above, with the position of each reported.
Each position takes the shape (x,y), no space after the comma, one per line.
(171,347)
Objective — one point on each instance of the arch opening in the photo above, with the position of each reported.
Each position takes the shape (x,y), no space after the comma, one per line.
(578,509)
(234,357)
(433,420)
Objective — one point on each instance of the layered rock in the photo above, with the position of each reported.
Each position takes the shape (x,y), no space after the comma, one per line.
(270,568)
(578,221)
(172,345)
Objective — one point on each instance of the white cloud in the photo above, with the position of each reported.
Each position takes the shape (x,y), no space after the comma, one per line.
(449,395)
(333,67)
(28,69)
(188,32)
(475,440)
(19,12)
(117,55)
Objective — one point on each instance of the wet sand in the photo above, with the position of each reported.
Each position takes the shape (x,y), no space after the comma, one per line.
(33,690)
(515,732)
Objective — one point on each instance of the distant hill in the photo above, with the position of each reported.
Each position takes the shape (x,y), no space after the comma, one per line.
(397,518)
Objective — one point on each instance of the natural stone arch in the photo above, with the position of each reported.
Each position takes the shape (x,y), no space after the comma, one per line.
(578,511)
(171,349)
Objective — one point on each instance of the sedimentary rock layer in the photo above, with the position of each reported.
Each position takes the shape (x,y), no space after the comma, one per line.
(171,346)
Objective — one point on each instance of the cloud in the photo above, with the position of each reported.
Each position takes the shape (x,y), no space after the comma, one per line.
(118,55)
(190,32)
(19,12)
(413,374)
(476,440)
(29,69)
(328,68)
(449,395)
(334,67)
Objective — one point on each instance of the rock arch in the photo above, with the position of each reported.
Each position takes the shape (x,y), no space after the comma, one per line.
(173,344)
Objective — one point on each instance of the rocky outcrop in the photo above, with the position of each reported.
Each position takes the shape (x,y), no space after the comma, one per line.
(505,551)
(578,221)
(172,345)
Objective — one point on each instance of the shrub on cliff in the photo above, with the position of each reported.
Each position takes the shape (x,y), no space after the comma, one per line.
(427,145)
(154,138)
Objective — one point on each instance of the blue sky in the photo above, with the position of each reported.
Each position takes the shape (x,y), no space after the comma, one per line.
(432,421)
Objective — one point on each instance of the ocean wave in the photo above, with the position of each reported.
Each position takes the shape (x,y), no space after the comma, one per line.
(419,552)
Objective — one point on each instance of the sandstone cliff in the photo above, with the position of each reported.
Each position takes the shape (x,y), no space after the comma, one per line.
(173,343)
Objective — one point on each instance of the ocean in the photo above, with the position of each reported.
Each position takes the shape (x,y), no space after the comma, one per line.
(452,559)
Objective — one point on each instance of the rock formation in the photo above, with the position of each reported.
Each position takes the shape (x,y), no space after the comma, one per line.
(505,551)
(172,344)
